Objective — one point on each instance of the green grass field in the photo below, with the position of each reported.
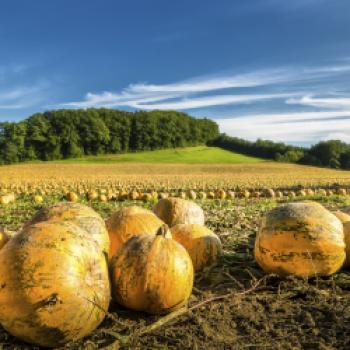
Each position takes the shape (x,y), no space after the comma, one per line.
(188,155)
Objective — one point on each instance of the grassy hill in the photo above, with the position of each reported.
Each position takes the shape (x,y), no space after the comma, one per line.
(188,155)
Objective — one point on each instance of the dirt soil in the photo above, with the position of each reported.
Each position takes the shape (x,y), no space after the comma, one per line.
(279,313)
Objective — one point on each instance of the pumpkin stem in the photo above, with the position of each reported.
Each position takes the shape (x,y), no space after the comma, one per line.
(162,230)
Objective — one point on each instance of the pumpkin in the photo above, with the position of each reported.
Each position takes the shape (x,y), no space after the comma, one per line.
(38,199)
(72,197)
(4,238)
(292,194)
(270,193)
(202,244)
(163,195)
(341,191)
(302,239)
(211,195)
(221,194)
(345,219)
(128,222)
(134,195)
(279,194)
(91,195)
(175,211)
(329,192)
(231,195)
(103,198)
(147,197)
(310,192)
(7,198)
(192,194)
(81,215)
(301,193)
(54,284)
(152,273)
(322,192)
(244,194)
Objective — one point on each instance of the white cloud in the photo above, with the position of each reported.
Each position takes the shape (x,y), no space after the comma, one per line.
(198,92)
(289,127)
(204,84)
(21,96)
(142,95)
(324,102)
(209,101)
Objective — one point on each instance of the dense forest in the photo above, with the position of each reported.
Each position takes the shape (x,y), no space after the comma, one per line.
(67,133)
(73,133)
(333,153)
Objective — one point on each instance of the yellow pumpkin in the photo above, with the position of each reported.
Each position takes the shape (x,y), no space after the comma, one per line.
(231,195)
(202,244)
(7,198)
(345,219)
(302,239)
(175,211)
(72,197)
(54,284)
(4,238)
(38,199)
(152,274)
(80,214)
(270,193)
(202,195)
(128,222)
(322,192)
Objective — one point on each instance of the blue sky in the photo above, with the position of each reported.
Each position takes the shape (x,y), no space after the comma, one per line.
(272,69)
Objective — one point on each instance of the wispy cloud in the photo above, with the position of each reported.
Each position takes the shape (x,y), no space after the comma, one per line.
(321,102)
(15,93)
(22,96)
(198,92)
(210,101)
(290,127)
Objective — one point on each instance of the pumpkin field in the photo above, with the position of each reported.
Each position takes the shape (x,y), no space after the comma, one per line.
(234,303)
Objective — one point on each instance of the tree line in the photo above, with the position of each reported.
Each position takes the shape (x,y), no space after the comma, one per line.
(67,133)
(332,154)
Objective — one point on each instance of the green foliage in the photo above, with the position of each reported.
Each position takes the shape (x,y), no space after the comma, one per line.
(63,134)
(332,154)
(260,148)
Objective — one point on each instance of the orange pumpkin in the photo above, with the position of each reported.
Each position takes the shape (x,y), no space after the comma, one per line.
(152,274)
(175,211)
(302,239)
(72,197)
(4,238)
(128,222)
(81,215)
(54,284)
(345,219)
(202,244)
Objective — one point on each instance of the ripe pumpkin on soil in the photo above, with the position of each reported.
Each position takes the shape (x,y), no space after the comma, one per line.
(345,219)
(80,214)
(4,238)
(302,239)
(54,284)
(202,244)
(175,211)
(152,274)
(128,222)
